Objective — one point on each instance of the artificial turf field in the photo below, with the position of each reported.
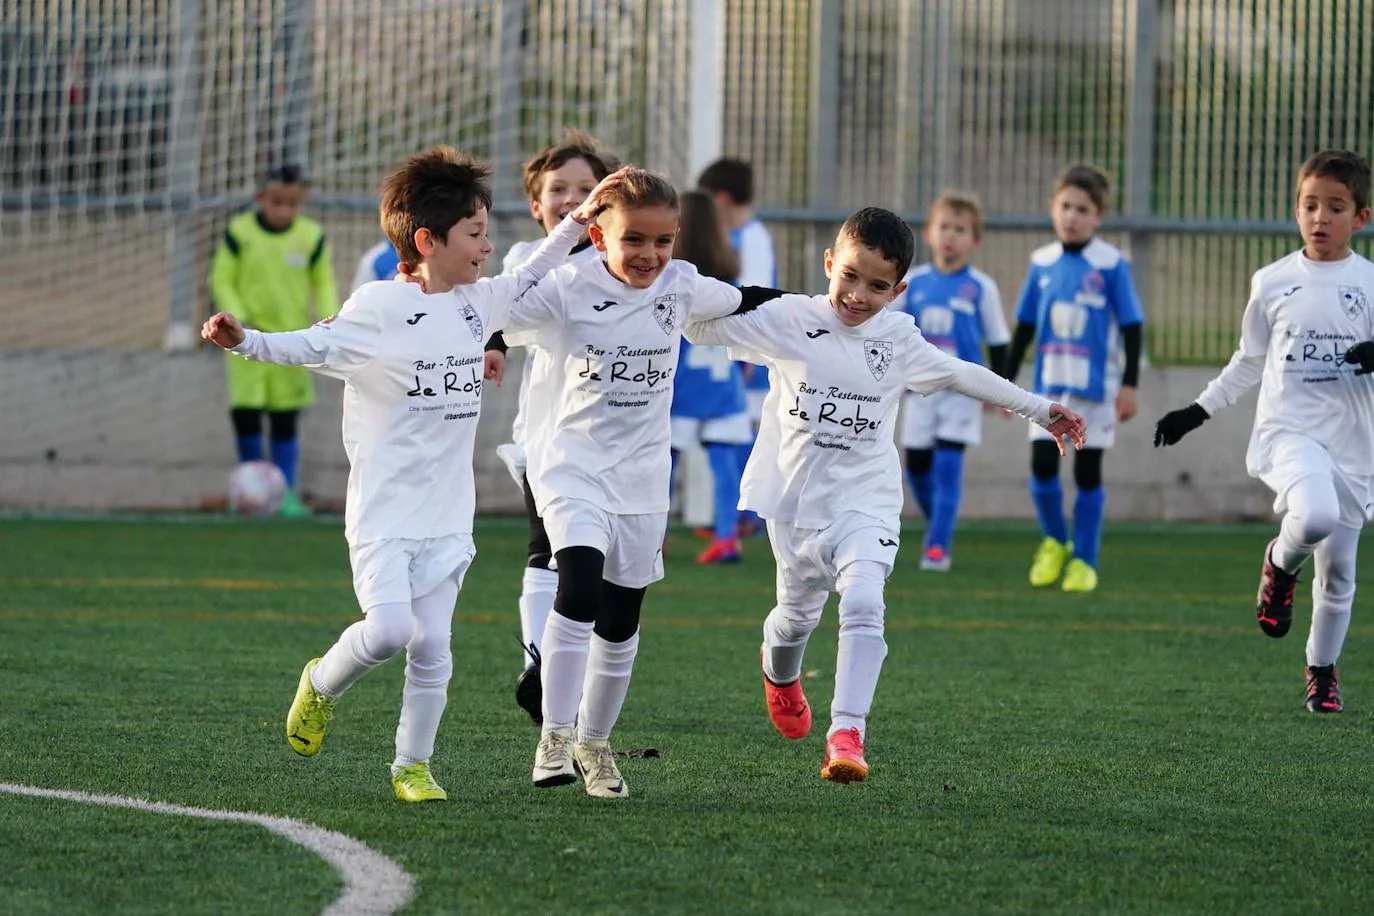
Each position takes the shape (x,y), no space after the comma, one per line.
(1141,749)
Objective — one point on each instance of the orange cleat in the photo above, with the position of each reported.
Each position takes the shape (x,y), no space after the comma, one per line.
(787,708)
(722,550)
(844,758)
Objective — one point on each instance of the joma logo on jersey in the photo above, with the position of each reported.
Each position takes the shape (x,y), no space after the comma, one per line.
(474,322)
(878,355)
(665,312)
(1353,301)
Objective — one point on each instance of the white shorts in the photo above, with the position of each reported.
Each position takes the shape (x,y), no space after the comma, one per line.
(732,430)
(631,544)
(1293,458)
(1100,417)
(813,557)
(396,570)
(946,415)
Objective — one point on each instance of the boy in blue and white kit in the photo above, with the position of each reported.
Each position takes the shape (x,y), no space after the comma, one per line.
(1080,306)
(958,309)
(825,471)
(380,262)
(730,182)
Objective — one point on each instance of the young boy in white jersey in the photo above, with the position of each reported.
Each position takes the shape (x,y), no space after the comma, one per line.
(608,332)
(959,310)
(825,473)
(411,359)
(1307,338)
(557,181)
(730,182)
(1080,307)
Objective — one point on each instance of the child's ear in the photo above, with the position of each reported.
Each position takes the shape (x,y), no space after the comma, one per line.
(897,291)
(424,242)
(1361,217)
(536,211)
(597,235)
(829,262)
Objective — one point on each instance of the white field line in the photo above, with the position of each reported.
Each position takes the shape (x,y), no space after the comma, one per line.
(373,884)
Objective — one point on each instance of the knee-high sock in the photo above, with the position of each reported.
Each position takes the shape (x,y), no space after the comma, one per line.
(429,667)
(1333,594)
(1048,496)
(609,665)
(725,478)
(249,447)
(947,471)
(1088,508)
(787,628)
(861,645)
(565,648)
(537,592)
(286,455)
(384,632)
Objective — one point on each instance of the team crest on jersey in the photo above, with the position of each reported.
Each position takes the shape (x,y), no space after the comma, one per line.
(878,354)
(665,312)
(1353,301)
(474,322)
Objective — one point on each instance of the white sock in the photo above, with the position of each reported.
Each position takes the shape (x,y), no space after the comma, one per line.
(862,647)
(362,647)
(537,592)
(784,644)
(1333,594)
(565,667)
(609,666)
(422,708)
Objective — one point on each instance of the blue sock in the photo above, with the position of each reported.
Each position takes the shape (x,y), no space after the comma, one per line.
(286,455)
(725,474)
(1088,510)
(1048,497)
(947,472)
(250,447)
(921,487)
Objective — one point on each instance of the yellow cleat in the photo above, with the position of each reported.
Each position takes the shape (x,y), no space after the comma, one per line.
(1079,577)
(415,783)
(1049,562)
(308,718)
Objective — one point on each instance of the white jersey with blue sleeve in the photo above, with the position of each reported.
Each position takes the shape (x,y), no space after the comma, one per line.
(380,262)
(959,312)
(1078,301)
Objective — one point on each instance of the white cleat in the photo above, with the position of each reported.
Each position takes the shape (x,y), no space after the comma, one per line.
(553,759)
(596,762)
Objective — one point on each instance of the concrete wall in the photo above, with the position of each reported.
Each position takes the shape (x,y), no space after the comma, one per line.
(147,430)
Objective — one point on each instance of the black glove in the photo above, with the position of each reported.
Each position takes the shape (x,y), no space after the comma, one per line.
(1362,355)
(1176,424)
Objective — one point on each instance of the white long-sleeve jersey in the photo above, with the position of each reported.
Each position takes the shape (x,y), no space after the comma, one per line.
(411,363)
(1302,317)
(826,441)
(599,393)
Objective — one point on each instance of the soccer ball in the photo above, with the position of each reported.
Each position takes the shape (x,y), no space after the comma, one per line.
(256,488)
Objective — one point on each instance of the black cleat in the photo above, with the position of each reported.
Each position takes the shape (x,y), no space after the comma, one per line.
(1323,688)
(1274,605)
(529,688)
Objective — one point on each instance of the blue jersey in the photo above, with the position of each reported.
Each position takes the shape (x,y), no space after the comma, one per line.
(1078,302)
(958,312)
(758,267)
(708,384)
(379,262)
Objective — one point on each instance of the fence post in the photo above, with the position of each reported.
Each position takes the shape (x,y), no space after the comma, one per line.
(298,38)
(1140,150)
(823,163)
(505,148)
(924,87)
(183,172)
(706,102)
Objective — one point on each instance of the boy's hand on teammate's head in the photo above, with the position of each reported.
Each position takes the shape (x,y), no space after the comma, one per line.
(1176,424)
(1126,407)
(406,274)
(1362,355)
(494,366)
(593,205)
(1065,424)
(223,330)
